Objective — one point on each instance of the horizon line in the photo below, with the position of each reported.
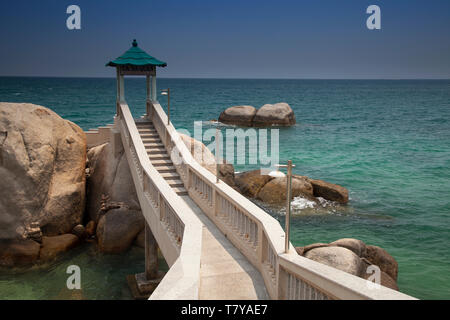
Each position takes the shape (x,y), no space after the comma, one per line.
(218,78)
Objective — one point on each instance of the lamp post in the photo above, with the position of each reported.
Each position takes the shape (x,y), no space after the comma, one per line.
(166,92)
(217,155)
(279,174)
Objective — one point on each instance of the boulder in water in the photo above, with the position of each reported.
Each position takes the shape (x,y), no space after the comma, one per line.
(238,115)
(280,114)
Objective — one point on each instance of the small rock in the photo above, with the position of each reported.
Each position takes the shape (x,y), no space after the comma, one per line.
(52,246)
(80,231)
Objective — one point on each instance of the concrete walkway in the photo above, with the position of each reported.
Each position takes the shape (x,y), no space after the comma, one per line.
(225,274)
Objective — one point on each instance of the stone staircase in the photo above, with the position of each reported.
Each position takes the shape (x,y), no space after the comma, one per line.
(159,157)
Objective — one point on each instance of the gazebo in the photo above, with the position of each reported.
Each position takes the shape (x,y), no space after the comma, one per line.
(136,62)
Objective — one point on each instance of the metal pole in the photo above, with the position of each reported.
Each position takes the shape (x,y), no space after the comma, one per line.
(288,205)
(168,106)
(217,155)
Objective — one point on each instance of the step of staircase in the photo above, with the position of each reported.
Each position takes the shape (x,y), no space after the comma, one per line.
(175,183)
(181,191)
(170,175)
(156,151)
(163,156)
(151,140)
(161,162)
(159,158)
(162,169)
(152,145)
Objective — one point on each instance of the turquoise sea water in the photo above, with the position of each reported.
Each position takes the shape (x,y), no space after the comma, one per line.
(388,142)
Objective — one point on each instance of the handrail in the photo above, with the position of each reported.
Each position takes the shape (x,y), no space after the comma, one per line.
(258,235)
(175,226)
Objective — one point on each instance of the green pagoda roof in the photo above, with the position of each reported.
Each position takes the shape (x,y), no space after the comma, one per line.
(135,56)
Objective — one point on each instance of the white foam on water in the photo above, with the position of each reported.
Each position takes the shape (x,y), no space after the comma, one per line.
(302,203)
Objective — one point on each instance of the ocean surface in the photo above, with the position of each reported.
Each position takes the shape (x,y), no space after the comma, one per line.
(388,142)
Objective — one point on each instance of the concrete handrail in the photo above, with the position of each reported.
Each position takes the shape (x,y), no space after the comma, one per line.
(175,226)
(258,235)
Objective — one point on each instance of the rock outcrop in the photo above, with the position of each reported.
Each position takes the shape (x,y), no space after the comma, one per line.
(274,191)
(109,178)
(354,256)
(271,190)
(238,115)
(250,183)
(278,114)
(42,169)
(112,202)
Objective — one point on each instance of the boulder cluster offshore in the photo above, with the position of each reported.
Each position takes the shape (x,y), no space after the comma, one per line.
(255,184)
(278,114)
(354,256)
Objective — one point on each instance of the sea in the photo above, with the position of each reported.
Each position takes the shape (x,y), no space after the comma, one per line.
(386,141)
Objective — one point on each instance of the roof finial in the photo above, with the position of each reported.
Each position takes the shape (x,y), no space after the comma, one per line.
(134,43)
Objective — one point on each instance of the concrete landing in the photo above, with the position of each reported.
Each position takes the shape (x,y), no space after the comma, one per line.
(225,274)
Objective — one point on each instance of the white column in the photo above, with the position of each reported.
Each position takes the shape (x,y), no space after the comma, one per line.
(122,89)
(154,88)
(147,102)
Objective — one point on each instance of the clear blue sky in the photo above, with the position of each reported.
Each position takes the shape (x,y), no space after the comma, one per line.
(230,39)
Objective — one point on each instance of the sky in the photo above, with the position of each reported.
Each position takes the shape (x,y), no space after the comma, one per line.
(310,39)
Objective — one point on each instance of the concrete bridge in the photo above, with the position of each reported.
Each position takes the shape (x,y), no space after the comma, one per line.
(217,243)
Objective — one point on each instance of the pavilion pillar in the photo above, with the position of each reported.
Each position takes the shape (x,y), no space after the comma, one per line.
(148,100)
(154,88)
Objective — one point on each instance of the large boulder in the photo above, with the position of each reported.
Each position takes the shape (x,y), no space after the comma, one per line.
(274,191)
(42,170)
(279,114)
(329,191)
(250,183)
(238,115)
(52,246)
(109,176)
(206,159)
(337,257)
(118,228)
(336,254)
(381,258)
(18,252)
